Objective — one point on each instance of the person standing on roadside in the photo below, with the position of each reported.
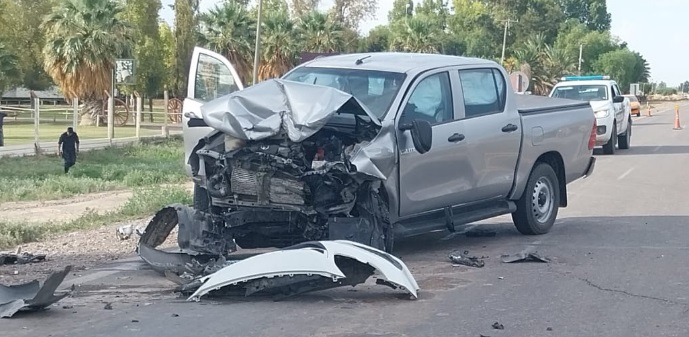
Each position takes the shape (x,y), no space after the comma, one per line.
(2,121)
(68,146)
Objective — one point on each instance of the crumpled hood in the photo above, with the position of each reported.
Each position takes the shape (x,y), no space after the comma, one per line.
(599,105)
(263,110)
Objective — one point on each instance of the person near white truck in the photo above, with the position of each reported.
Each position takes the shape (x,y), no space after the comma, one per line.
(611,108)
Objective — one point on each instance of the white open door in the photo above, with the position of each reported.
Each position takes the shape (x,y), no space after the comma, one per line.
(210,76)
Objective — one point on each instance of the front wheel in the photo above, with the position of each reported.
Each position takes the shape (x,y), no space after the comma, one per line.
(537,208)
(626,138)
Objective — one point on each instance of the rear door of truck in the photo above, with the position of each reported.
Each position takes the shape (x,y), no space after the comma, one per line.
(493,131)
(210,76)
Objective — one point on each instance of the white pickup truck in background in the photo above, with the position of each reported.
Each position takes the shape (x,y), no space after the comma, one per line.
(612,110)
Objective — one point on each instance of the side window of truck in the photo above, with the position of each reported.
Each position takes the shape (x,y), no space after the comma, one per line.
(431,100)
(484,91)
(213,79)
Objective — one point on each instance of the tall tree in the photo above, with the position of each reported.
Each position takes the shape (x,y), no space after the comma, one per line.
(279,45)
(320,33)
(186,29)
(9,68)
(352,12)
(378,39)
(619,65)
(593,13)
(299,8)
(142,15)
(417,34)
(230,30)
(22,33)
(474,27)
(83,39)
(167,41)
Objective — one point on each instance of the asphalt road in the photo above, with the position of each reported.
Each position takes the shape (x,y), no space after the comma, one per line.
(619,268)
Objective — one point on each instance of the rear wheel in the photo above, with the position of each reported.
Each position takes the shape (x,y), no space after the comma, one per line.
(609,147)
(537,208)
(626,138)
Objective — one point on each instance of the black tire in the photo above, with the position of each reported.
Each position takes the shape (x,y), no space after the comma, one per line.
(537,208)
(202,201)
(625,139)
(609,147)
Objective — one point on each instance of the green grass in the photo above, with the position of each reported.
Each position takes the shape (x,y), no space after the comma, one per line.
(17,133)
(143,203)
(43,178)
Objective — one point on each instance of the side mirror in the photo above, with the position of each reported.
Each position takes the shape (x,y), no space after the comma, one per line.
(422,135)
(618,99)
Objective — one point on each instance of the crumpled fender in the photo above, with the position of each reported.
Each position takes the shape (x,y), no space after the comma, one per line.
(311,258)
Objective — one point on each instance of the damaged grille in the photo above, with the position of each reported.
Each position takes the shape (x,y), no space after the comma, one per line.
(255,184)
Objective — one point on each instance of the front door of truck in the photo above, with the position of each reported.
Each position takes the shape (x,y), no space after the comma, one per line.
(437,178)
(210,76)
(493,133)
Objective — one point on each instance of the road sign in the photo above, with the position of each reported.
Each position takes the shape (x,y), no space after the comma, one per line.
(520,82)
(124,71)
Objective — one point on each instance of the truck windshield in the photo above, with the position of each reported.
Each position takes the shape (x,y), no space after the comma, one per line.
(582,92)
(375,89)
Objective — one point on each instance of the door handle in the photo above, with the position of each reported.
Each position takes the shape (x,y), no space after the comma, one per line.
(509,128)
(455,138)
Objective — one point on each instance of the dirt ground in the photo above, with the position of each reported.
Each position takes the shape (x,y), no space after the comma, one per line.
(81,249)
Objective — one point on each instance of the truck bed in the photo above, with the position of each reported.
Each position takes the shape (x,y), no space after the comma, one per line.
(530,104)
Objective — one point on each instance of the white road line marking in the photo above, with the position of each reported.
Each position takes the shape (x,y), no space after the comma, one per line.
(625,174)
(657,148)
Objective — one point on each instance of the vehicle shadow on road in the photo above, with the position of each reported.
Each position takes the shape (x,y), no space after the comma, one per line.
(652,123)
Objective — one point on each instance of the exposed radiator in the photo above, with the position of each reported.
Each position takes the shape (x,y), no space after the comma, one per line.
(279,190)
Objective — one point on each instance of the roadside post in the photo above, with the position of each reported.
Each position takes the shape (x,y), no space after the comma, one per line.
(648,106)
(138,114)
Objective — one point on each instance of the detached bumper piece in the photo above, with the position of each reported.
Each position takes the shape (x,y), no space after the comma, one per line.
(31,296)
(310,266)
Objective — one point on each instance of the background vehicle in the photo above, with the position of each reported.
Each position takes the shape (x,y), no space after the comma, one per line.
(634,105)
(612,110)
(426,142)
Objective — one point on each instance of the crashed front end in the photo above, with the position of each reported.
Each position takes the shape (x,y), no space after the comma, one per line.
(287,163)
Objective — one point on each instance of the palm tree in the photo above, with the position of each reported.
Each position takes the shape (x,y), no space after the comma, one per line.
(279,45)
(416,35)
(83,39)
(230,30)
(9,68)
(320,33)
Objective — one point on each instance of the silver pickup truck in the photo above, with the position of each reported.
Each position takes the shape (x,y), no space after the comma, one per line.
(372,147)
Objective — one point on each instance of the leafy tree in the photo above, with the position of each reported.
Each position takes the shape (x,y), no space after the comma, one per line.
(592,13)
(279,45)
(378,39)
(167,41)
(83,39)
(142,15)
(474,28)
(299,8)
(320,33)
(185,41)
(595,43)
(418,35)
(351,13)
(542,16)
(230,30)
(9,68)
(400,10)
(543,63)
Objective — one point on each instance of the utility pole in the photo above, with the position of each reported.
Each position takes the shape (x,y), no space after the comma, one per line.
(581,51)
(504,39)
(257,47)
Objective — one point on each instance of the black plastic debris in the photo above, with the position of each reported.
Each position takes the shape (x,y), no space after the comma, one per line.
(480,233)
(466,260)
(498,326)
(31,296)
(527,255)
(23,258)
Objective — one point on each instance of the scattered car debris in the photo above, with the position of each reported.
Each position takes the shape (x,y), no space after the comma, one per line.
(310,266)
(498,326)
(527,255)
(549,329)
(480,233)
(108,306)
(31,296)
(20,258)
(466,260)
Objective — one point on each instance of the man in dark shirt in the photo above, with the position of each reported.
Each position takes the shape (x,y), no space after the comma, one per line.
(68,146)
(2,135)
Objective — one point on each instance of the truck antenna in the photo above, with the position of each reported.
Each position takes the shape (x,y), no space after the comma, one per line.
(361,60)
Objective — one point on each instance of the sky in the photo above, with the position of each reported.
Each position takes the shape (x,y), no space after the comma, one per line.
(653,28)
